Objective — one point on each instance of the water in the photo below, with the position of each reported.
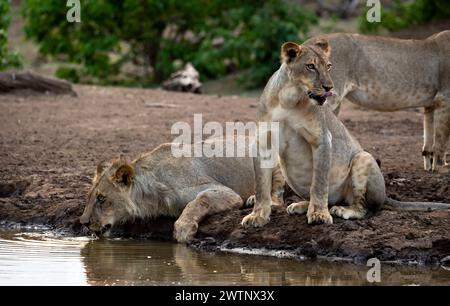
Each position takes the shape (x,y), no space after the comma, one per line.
(43,258)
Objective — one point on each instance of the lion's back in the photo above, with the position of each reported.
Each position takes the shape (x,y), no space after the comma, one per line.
(236,173)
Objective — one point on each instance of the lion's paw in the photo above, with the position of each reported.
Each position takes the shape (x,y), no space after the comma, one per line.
(184,231)
(339,211)
(250,201)
(298,208)
(319,216)
(253,220)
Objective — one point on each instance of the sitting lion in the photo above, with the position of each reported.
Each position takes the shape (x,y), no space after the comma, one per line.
(158,184)
(319,158)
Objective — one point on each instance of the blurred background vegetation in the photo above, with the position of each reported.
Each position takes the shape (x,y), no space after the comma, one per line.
(7,58)
(216,36)
(403,14)
(141,42)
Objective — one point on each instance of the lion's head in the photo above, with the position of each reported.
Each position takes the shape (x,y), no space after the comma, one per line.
(109,200)
(309,65)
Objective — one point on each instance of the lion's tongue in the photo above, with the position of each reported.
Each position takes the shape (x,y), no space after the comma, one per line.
(328,94)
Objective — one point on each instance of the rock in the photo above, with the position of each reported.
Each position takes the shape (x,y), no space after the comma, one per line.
(185,80)
(445,262)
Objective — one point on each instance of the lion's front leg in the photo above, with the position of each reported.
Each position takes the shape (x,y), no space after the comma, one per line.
(428,138)
(260,215)
(210,201)
(318,212)
(264,165)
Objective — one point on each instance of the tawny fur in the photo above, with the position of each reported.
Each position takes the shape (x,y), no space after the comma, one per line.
(318,157)
(159,184)
(389,74)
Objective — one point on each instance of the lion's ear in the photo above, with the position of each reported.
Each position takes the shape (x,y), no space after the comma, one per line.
(290,51)
(324,46)
(124,175)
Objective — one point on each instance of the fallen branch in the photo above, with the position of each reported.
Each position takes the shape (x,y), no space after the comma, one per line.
(12,80)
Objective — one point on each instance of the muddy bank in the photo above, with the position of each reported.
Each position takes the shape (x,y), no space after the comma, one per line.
(389,236)
(50,145)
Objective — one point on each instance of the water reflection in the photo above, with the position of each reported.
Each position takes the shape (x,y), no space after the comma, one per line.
(141,262)
(46,259)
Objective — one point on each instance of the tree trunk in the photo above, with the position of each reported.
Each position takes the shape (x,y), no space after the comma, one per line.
(12,80)
(151,55)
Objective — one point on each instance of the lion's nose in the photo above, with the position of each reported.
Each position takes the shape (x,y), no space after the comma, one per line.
(327,88)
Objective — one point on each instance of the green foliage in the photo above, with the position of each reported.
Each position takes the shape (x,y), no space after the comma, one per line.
(403,14)
(68,74)
(7,58)
(217,36)
(255,43)
(88,43)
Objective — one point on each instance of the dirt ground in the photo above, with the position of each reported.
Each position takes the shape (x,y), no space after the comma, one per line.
(50,145)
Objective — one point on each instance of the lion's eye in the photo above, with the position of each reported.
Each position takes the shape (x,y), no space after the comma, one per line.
(310,66)
(101,199)
(329,66)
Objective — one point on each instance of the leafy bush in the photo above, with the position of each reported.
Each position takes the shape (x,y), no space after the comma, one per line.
(256,46)
(7,58)
(403,14)
(217,36)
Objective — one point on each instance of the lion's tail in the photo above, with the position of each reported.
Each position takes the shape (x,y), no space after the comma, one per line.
(391,204)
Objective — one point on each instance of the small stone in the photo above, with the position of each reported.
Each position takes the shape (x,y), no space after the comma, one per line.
(410,236)
(445,261)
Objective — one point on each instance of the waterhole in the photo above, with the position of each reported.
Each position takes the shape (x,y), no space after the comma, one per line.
(45,258)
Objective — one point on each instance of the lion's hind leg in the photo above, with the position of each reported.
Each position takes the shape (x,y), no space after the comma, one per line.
(366,182)
(277,191)
(428,137)
(441,135)
(277,186)
(208,202)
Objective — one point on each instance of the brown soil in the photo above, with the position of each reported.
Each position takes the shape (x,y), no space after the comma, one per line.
(50,145)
